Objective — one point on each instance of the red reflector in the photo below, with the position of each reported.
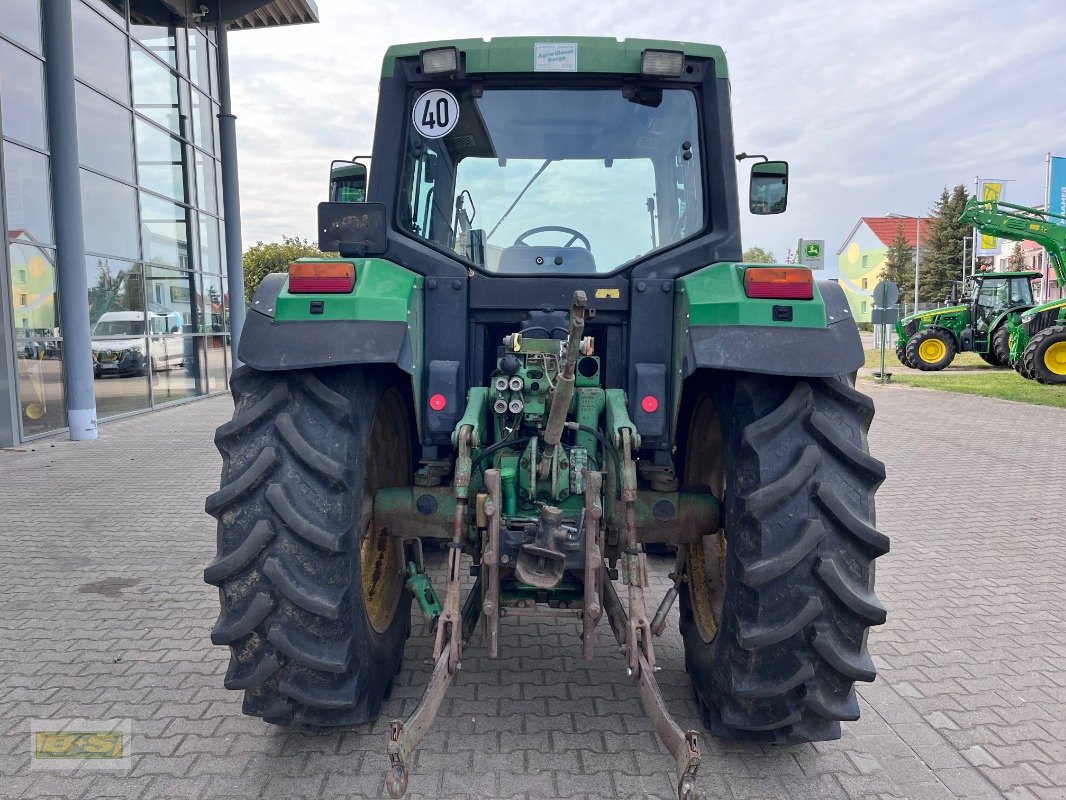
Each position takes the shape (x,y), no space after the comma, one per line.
(650,404)
(785,283)
(437,402)
(321,277)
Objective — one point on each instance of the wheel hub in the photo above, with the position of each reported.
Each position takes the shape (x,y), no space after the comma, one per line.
(932,350)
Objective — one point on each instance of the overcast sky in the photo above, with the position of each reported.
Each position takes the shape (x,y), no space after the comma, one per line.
(876,105)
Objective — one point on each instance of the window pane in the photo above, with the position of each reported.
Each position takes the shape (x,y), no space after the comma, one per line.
(210,253)
(29,212)
(22,96)
(159,161)
(114,10)
(33,290)
(178,368)
(120,366)
(116,297)
(22,22)
(198,60)
(165,231)
(39,366)
(210,303)
(155,91)
(206,193)
(174,294)
(100,53)
(109,211)
(104,139)
(215,362)
(159,40)
(203,121)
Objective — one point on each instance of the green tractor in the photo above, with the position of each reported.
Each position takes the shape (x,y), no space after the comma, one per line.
(1037,336)
(540,347)
(929,340)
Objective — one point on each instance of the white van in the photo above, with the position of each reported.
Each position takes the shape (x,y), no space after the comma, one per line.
(122,352)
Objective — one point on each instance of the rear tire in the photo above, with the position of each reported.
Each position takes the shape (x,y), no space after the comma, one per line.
(1000,341)
(1046,355)
(312,644)
(774,615)
(931,350)
(901,354)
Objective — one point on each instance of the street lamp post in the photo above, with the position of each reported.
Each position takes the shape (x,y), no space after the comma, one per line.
(917,259)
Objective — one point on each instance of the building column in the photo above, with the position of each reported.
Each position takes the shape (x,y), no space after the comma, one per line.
(231,198)
(71,280)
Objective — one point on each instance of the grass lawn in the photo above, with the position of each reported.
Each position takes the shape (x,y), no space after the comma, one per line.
(966,377)
(961,361)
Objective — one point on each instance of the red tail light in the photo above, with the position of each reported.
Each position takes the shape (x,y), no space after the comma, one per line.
(321,277)
(779,283)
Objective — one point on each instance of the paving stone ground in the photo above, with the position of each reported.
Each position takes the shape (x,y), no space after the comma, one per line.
(104,614)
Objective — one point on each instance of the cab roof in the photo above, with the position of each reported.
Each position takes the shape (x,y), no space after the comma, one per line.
(594,53)
(1010,275)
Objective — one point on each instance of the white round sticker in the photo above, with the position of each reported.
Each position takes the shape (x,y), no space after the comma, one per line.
(435,113)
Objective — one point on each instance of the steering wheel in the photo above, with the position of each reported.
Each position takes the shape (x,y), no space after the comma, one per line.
(577,236)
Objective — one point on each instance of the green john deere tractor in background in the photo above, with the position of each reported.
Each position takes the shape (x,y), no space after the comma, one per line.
(929,340)
(540,347)
(1037,336)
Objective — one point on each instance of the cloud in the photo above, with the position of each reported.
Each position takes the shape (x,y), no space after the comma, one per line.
(876,104)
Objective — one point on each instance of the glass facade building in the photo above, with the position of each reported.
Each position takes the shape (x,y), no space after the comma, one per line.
(149,89)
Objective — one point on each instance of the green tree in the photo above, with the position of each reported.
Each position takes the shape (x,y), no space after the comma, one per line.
(756,255)
(264,258)
(899,264)
(1017,258)
(942,253)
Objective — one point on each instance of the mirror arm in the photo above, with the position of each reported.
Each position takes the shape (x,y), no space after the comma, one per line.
(742,156)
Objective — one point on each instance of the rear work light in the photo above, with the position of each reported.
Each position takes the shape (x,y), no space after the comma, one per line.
(667,63)
(321,277)
(779,283)
(439,60)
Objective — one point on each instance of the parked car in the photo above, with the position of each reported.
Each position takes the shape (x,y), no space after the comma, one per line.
(128,333)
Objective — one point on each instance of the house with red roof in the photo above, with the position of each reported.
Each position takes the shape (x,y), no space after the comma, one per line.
(862,255)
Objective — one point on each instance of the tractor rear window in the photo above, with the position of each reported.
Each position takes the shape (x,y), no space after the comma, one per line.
(528,181)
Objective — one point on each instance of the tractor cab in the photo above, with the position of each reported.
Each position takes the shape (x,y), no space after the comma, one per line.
(991,295)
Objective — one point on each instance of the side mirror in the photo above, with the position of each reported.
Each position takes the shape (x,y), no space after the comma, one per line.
(347,182)
(354,230)
(768,191)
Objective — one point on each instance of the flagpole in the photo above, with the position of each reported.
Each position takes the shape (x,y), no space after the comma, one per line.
(973,236)
(1045,284)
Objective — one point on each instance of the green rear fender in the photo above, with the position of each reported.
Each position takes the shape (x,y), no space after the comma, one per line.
(720,327)
(378,322)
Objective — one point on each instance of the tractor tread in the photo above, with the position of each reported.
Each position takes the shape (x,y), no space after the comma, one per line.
(301,590)
(857,667)
(757,573)
(257,472)
(293,464)
(818,700)
(254,675)
(801,544)
(819,425)
(313,458)
(225,566)
(307,530)
(751,690)
(772,495)
(292,640)
(232,627)
(862,602)
(826,497)
(244,421)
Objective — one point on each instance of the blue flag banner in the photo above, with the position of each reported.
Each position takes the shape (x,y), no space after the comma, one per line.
(1057,186)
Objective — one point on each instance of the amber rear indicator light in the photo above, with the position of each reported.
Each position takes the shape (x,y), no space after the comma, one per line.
(321,277)
(779,283)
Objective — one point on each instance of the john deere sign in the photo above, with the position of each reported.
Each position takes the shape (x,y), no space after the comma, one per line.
(812,253)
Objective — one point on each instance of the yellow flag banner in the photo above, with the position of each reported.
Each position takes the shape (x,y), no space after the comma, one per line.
(989,190)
